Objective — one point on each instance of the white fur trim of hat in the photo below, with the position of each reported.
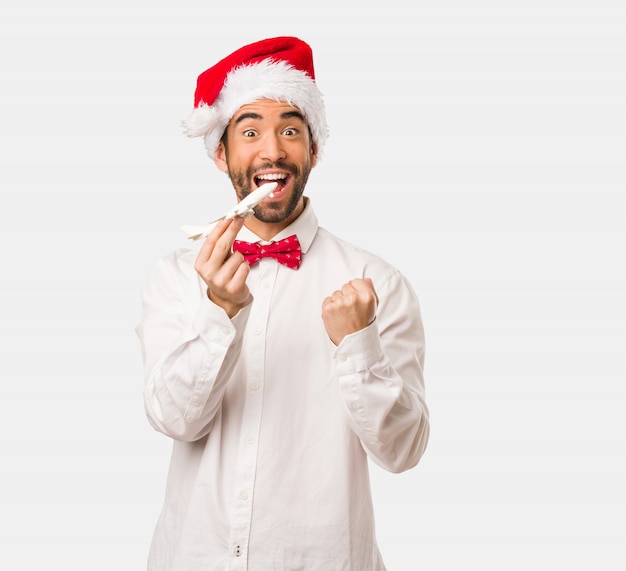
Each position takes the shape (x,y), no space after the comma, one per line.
(277,68)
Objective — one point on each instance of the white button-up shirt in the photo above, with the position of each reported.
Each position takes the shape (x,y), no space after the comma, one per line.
(272,423)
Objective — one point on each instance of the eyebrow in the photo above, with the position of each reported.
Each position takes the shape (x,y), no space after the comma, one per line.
(285,115)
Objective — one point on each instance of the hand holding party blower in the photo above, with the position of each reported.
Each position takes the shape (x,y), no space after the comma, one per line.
(243,208)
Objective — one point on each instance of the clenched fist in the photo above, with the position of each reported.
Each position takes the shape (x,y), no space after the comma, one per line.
(349,309)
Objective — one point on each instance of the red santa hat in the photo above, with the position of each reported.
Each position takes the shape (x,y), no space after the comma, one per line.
(276,68)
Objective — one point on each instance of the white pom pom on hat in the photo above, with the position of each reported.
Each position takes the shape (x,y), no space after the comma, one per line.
(276,68)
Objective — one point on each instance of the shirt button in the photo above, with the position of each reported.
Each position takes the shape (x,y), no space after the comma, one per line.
(341,357)
(258,331)
(243,495)
(254,387)
(265,285)
(250,439)
(226,331)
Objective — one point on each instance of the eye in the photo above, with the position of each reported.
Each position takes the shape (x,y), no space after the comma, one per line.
(249,133)
(290,132)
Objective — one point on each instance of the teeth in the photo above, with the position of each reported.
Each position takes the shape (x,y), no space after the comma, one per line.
(275,176)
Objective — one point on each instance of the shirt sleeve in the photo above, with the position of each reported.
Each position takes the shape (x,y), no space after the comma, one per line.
(380,372)
(189,349)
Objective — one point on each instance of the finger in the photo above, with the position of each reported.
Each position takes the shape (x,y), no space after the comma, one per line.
(232,229)
(347,289)
(370,283)
(337,295)
(241,273)
(232,265)
(354,293)
(209,242)
(229,278)
(362,285)
(224,245)
(218,244)
(365,286)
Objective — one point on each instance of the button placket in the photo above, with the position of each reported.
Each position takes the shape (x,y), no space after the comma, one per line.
(251,420)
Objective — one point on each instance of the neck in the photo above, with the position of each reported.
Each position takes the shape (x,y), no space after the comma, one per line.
(267,230)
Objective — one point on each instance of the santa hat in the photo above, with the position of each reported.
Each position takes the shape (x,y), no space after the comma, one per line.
(276,68)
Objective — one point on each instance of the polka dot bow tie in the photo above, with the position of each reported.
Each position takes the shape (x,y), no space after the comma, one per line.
(286,251)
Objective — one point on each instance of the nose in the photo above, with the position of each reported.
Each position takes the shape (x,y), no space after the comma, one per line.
(273,149)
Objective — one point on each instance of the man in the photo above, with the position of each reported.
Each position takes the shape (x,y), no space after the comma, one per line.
(276,380)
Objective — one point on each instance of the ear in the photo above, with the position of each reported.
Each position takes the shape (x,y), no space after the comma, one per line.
(313,154)
(220,157)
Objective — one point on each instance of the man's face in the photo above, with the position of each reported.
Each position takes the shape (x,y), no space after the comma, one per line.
(269,141)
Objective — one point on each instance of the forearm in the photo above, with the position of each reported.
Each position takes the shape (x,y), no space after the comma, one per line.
(189,348)
(184,388)
(385,403)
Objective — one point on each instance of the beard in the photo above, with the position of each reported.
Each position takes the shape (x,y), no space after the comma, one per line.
(273,212)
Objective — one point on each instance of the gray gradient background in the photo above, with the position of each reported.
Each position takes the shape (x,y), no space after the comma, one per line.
(479,146)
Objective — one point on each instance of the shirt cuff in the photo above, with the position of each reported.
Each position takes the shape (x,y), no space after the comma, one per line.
(359,351)
(212,317)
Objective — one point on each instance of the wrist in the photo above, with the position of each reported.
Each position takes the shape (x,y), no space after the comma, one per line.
(231,307)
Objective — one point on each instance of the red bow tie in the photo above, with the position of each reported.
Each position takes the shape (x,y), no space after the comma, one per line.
(286,251)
